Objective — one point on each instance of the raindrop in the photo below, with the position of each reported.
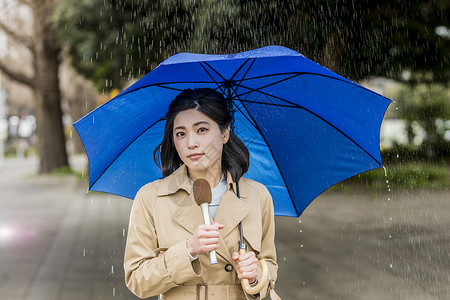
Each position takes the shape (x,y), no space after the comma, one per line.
(92,201)
(284,258)
(301,246)
(385,171)
(112,269)
(390,266)
(301,230)
(84,252)
(109,201)
(300,221)
(398,155)
(114,291)
(123,232)
(70,134)
(82,173)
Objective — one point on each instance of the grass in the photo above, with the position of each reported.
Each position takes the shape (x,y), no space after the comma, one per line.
(409,175)
(67,171)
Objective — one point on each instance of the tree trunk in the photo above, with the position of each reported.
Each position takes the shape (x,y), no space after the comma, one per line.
(50,129)
(118,49)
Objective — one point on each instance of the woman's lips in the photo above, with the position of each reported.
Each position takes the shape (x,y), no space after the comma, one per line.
(195,156)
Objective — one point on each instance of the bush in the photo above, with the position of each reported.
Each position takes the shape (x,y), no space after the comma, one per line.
(407,176)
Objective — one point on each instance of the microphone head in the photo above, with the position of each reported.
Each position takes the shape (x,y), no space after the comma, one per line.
(202,191)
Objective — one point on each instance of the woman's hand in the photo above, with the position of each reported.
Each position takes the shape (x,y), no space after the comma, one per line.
(204,239)
(246,265)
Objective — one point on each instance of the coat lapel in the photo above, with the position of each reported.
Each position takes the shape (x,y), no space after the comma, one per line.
(187,213)
(232,210)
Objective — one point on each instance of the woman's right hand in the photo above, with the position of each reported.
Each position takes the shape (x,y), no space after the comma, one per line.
(204,239)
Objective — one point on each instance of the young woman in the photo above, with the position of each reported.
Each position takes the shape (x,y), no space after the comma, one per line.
(167,246)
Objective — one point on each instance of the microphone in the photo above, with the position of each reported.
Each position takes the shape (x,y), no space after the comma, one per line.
(203,196)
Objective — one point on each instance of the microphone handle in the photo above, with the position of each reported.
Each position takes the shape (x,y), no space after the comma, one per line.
(207,221)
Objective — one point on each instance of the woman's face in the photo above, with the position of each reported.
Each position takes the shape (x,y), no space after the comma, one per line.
(199,141)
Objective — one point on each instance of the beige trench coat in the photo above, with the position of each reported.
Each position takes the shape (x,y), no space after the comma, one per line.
(164,215)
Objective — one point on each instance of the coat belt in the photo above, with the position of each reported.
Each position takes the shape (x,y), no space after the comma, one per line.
(203,291)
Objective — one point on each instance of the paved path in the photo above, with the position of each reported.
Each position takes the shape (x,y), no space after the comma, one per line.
(57,242)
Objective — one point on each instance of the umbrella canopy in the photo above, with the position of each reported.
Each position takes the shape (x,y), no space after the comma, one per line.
(306,127)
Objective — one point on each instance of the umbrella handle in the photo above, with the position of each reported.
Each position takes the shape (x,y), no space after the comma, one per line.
(252,290)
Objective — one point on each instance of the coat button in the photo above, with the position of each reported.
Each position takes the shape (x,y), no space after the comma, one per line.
(228,268)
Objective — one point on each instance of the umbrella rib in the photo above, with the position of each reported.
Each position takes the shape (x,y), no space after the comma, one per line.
(322,75)
(240,67)
(272,104)
(223,78)
(266,94)
(210,76)
(220,75)
(240,81)
(271,153)
(318,116)
(245,116)
(262,76)
(90,186)
(169,88)
(270,84)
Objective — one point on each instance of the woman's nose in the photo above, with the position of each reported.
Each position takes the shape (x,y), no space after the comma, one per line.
(192,142)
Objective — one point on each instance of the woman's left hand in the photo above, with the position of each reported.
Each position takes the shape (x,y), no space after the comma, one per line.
(246,265)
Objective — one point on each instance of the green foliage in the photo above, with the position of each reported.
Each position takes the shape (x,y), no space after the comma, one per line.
(404,176)
(410,153)
(422,102)
(110,42)
(429,107)
(67,171)
(113,41)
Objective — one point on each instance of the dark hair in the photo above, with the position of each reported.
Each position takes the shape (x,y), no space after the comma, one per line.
(235,155)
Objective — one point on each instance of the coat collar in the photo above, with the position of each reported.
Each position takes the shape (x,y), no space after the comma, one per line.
(231,211)
(179,180)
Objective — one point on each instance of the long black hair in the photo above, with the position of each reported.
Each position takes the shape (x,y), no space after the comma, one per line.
(235,155)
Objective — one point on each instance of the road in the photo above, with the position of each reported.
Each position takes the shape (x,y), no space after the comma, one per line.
(59,242)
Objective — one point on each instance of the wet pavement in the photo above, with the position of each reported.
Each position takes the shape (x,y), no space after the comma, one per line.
(57,242)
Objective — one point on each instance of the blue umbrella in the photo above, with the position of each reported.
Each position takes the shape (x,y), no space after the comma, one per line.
(306,127)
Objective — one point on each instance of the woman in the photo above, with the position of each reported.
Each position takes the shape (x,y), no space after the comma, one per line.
(168,244)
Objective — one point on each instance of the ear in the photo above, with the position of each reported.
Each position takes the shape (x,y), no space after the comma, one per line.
(226,135)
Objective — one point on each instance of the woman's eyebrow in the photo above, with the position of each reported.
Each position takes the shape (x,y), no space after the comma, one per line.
(200,123)
(194,125)
(179,127)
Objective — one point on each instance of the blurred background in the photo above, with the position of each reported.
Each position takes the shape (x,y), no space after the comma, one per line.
(59,59)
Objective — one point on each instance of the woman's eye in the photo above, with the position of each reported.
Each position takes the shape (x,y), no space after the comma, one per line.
(179,134)
(202,130)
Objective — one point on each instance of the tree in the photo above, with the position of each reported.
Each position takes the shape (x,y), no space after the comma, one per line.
(379,38)
(112,41)
(45,49)
(357,39)
(429,107)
